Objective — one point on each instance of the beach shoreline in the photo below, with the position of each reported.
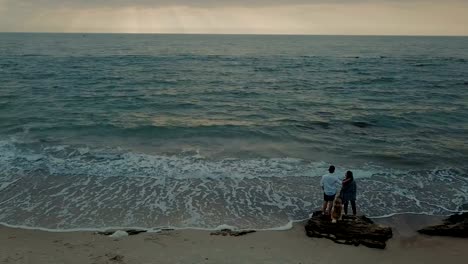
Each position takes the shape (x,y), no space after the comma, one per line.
(199,246)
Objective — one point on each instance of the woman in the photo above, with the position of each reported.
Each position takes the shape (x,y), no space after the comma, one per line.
(348,192)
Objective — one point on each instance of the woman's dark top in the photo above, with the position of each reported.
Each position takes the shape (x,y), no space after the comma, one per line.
(348,192)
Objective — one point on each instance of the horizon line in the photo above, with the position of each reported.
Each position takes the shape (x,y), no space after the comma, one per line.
(233,34)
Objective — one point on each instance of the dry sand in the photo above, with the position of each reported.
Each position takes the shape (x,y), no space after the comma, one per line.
(194,246)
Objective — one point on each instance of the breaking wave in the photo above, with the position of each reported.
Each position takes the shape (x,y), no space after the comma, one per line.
(69,187)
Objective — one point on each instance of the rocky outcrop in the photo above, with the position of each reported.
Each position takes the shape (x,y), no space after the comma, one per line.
(350,230)
(454,226)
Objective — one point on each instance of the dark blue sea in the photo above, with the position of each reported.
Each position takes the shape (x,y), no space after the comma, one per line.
(103,130)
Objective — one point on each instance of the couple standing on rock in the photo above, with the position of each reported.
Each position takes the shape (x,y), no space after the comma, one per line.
(331,184)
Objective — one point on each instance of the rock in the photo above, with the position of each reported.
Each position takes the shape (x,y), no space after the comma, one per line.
(130,232)
(455,226)
(350,230)
(133,232)
(119,234)
(226,232)
(115,258)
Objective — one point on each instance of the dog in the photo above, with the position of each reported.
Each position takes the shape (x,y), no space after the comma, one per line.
(337,210)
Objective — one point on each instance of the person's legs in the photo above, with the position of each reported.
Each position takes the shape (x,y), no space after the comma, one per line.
(324,207)
(346,207)
(331,198)
(328,203)
(325,203)
(330,207)
(353,206)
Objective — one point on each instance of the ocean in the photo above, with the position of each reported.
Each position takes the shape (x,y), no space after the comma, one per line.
(198,131)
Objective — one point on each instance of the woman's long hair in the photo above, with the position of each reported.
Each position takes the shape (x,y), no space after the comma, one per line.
(349,175)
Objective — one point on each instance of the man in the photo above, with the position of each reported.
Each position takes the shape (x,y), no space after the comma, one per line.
(330,185)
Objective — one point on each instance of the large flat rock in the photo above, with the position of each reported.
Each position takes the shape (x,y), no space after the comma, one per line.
(454,226)
(350,230)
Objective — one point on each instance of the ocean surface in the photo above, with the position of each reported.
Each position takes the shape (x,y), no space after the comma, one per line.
(197,131)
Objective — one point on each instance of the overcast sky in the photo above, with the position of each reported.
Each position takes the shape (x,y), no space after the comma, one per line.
(362,17)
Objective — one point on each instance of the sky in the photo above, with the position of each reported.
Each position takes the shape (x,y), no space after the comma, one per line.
(332,17)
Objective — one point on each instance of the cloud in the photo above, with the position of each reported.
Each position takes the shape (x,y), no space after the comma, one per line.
(194,3)
(151,3)
(411,17)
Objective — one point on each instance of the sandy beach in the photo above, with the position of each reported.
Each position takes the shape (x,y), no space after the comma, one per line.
(195,246)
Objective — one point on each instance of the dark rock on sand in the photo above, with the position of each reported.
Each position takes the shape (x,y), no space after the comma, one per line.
(113,258)
(117,258)
(454,226)
(350,230)
(229,232)
(130,232)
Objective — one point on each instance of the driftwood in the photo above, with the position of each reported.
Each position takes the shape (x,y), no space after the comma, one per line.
(454,226)
(229,232)
(350,230)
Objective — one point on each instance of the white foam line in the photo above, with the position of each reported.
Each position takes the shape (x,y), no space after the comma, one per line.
(62,230)
(285,227)
(415,213)
(149,230)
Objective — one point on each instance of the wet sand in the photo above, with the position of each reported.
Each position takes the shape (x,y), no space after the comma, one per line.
(195,246)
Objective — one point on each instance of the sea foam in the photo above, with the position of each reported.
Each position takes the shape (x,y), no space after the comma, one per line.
(68,188)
